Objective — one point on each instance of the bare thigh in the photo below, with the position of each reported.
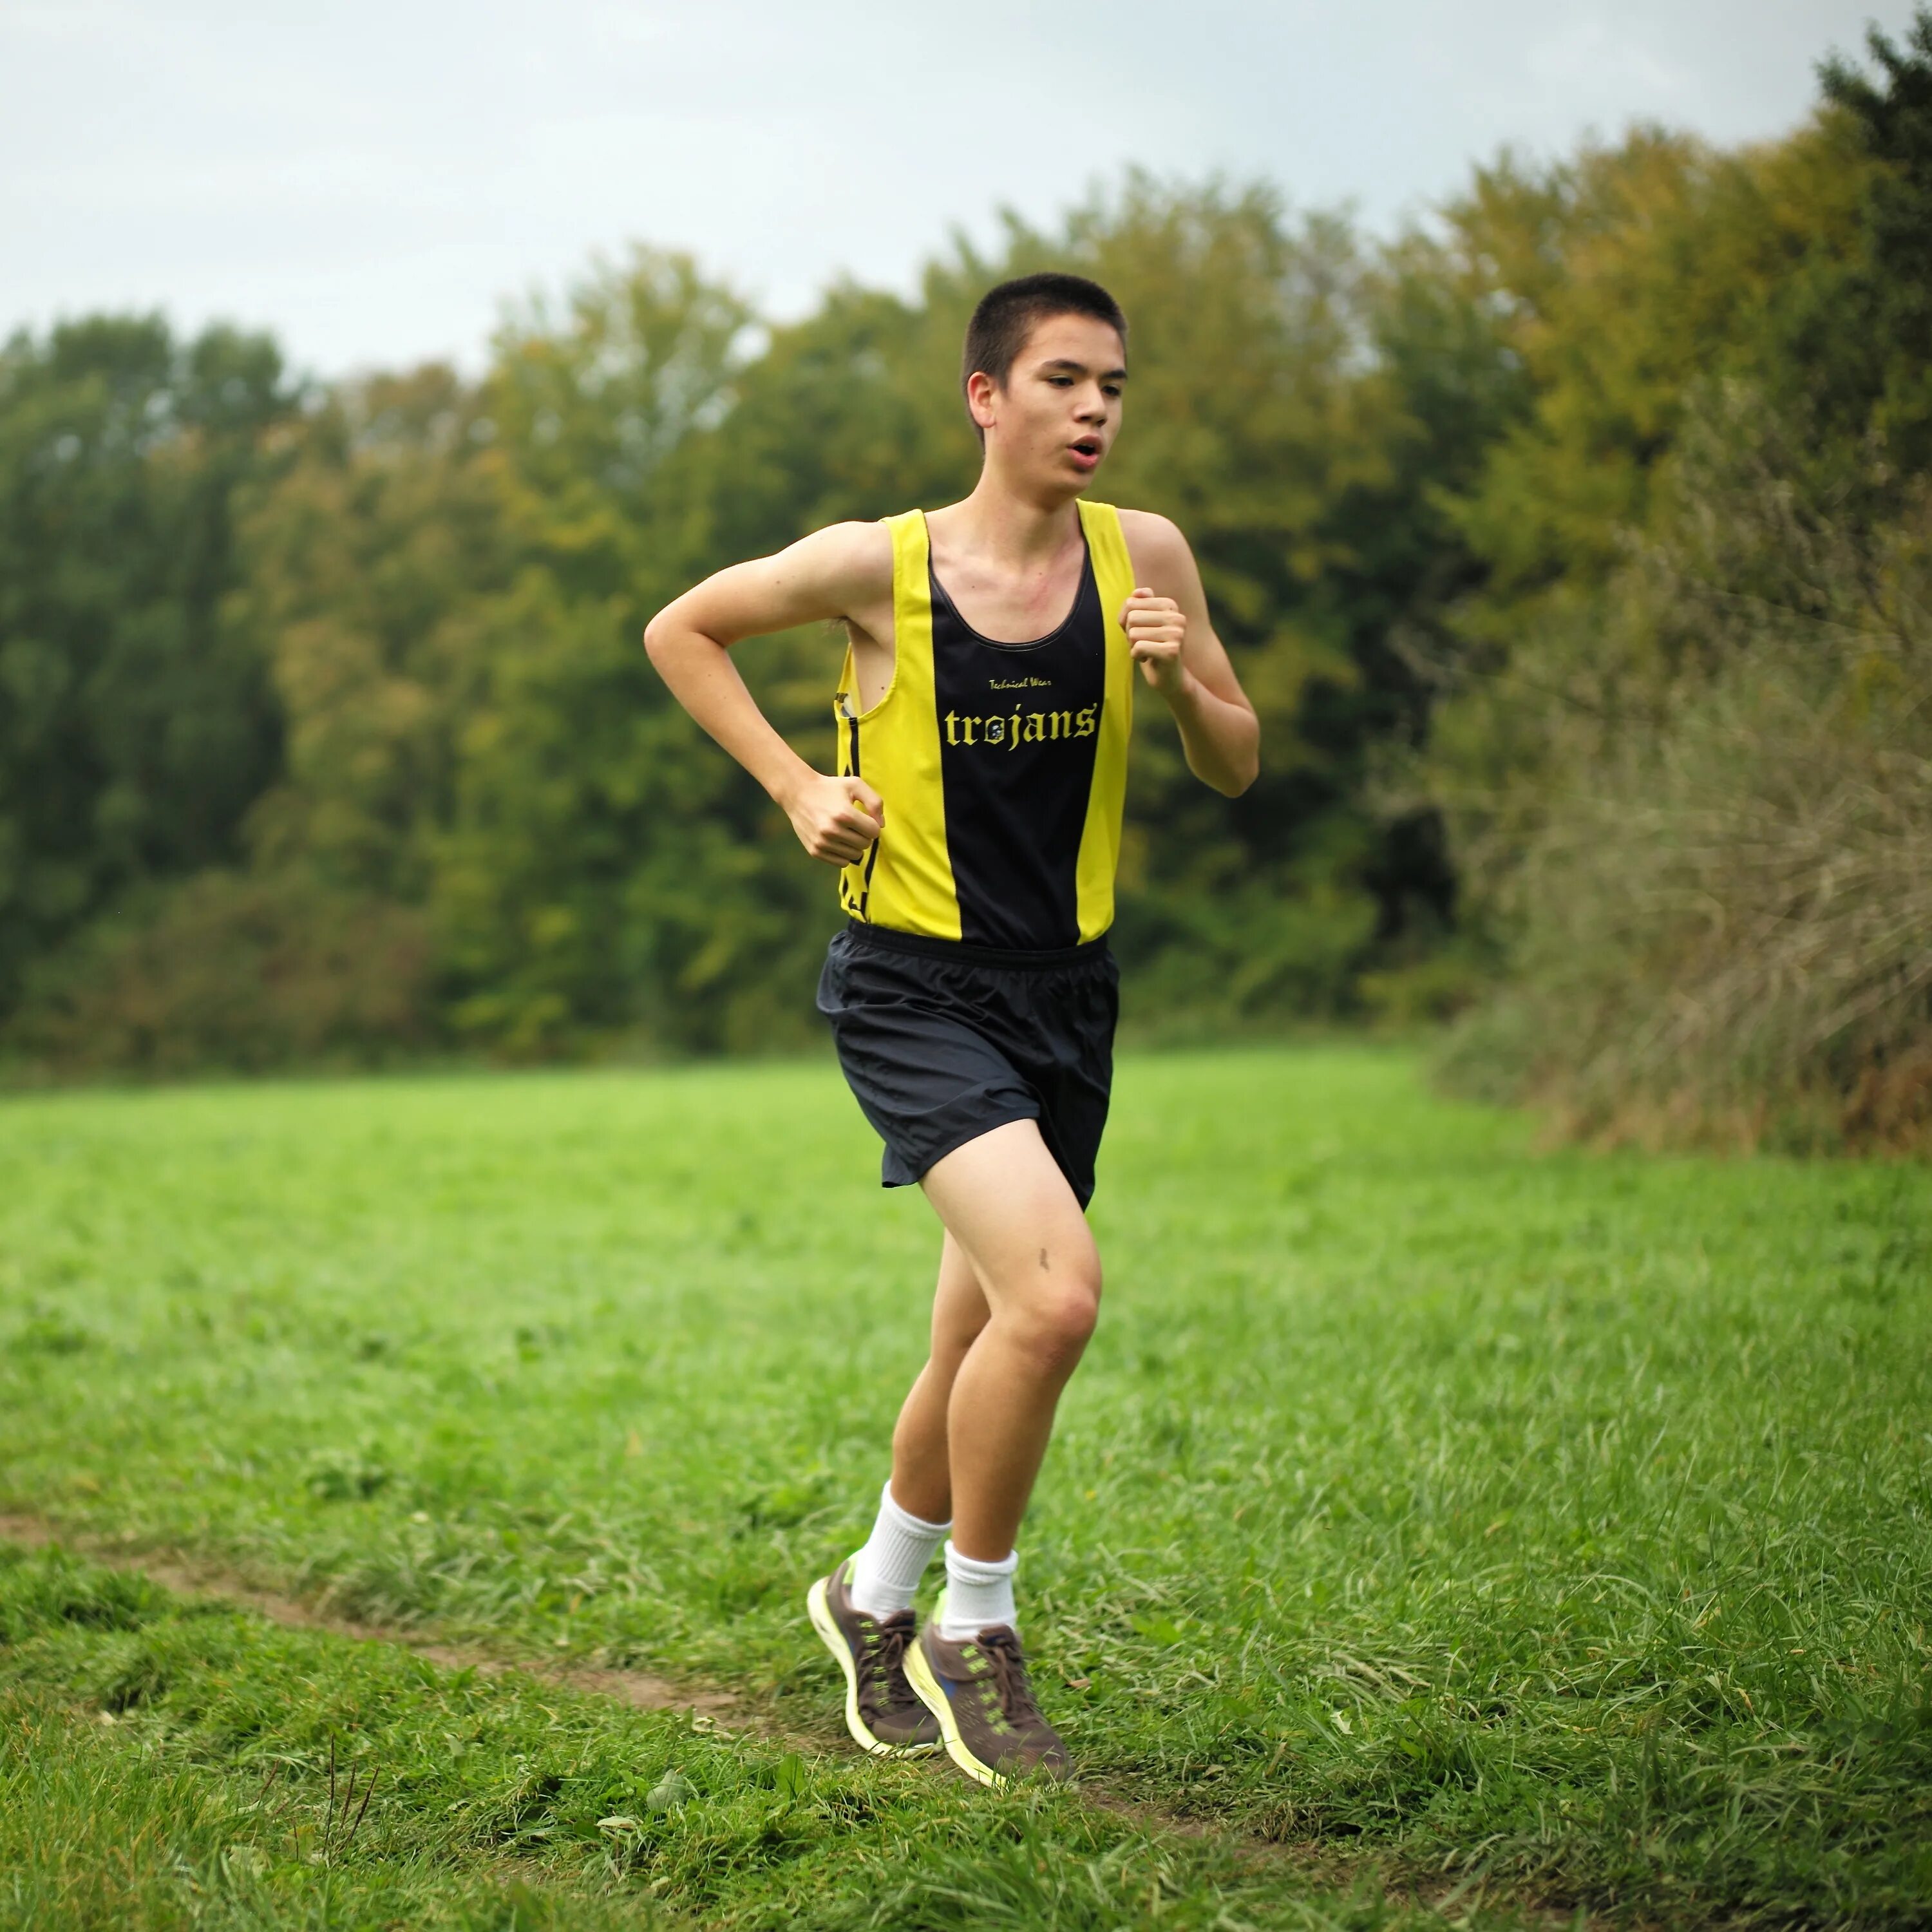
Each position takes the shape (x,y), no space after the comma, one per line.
(1008,1207)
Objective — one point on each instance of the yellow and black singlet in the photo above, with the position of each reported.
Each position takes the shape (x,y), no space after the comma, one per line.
(1003,766)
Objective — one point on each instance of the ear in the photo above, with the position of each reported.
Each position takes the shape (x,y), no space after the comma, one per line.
(981,392)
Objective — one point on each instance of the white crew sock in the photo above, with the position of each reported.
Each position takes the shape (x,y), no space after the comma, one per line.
(977,1594)
(885,1573)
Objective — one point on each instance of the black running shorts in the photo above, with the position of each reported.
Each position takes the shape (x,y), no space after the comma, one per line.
(942,1042)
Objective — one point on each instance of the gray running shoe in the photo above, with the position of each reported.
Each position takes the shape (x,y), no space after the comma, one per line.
(977,1689)
(881,1712)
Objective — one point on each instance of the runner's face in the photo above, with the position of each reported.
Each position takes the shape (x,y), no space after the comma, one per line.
(1056,417)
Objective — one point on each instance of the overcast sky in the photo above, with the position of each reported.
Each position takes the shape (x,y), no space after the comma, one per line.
(371,179)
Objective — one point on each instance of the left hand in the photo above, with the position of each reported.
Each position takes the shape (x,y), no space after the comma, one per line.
(1156,629)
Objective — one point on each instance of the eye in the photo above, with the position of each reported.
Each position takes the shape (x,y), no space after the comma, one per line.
(1111,389)
(1061,381)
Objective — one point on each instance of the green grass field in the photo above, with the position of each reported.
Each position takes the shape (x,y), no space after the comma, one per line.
(1431,1520)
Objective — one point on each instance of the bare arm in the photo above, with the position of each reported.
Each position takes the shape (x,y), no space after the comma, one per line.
(1174,643)
(833,573)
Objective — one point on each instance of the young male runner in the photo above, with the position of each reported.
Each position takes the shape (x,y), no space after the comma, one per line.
(982,722)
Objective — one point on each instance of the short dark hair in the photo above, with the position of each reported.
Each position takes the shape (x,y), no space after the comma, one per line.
(1008,314)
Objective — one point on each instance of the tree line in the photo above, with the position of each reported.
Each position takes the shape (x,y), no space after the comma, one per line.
(1573,546)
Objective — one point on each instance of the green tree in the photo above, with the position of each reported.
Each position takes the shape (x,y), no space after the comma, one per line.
(1683,744)
(1874,331)
(1624,275)
(602,870)
(367,557)
(137,725)
(440,589)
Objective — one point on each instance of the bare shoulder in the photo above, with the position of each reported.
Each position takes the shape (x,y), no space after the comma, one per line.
(1162,559)
(853,561)
(844,570)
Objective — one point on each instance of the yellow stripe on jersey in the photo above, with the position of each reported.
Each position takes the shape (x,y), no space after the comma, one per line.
(906,879)
(1100,842)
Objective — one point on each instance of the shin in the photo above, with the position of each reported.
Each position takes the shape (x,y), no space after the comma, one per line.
(1011,1216)
(921,1475)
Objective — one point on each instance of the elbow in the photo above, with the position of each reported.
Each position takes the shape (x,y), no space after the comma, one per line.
(1229,780)
(673,643)
(660,640)
(1245,767)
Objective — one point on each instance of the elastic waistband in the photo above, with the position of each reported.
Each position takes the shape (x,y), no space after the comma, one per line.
(889,939)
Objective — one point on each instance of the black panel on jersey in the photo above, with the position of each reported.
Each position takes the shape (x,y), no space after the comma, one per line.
(1018,768)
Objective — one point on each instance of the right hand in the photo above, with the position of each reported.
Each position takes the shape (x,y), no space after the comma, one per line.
(837,819)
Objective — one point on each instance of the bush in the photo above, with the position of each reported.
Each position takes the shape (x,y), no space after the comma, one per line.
(226,971)
(1717,866)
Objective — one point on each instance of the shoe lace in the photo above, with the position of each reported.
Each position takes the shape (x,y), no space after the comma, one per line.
(885,1644)
(1001,1649)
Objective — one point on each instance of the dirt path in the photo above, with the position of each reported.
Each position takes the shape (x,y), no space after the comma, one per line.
(187,1576)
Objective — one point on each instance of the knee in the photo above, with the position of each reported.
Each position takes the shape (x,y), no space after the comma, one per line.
(1057,1324)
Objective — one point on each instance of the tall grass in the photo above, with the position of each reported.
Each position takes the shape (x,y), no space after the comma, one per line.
(1717,868)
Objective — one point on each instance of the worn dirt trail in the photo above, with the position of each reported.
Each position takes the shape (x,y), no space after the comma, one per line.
(186,1575)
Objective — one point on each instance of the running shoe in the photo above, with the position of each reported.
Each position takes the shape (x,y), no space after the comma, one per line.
(977,1689)
(881,1712)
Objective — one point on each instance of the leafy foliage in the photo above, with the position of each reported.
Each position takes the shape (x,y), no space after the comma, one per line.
(1722,902)
(369,657)
(136,726)
(1684,742)
(434,591)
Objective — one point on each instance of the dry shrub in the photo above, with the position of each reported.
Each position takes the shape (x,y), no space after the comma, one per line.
(229,971)
(1722,888)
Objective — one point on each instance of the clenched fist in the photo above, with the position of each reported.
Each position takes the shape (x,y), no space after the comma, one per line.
(836,819)
(1156,629)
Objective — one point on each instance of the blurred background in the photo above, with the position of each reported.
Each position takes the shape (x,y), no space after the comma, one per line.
(1547,390)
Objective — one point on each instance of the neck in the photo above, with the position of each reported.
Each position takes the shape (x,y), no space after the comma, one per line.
(1024,526)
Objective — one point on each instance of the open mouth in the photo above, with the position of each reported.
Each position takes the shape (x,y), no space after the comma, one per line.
(1087,451)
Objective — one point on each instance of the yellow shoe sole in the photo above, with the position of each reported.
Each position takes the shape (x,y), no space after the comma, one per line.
(926,1688)
(819,1611)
